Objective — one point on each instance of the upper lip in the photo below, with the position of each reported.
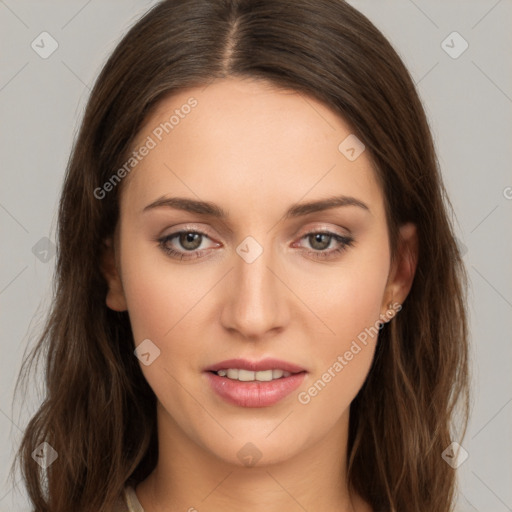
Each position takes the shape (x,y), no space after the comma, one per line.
(255,366)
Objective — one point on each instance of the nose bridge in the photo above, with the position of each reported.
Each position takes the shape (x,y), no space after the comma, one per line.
(255,302)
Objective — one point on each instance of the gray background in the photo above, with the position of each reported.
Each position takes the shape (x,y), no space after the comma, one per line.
(469,103)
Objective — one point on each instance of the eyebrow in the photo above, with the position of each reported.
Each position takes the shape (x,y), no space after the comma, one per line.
(296,210)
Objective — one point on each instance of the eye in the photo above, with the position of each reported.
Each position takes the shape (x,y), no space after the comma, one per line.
(189,240)
(321,240)
(188,244)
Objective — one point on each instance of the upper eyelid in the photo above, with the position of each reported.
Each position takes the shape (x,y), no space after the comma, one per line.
(305,231)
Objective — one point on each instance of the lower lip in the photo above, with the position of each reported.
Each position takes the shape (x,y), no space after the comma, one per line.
(256,393)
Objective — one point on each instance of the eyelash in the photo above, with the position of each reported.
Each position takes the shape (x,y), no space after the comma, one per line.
(344,241)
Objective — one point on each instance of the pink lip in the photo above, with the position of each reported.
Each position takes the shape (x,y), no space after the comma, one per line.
(254,394)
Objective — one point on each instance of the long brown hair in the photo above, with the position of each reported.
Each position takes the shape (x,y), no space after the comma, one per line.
(99,412)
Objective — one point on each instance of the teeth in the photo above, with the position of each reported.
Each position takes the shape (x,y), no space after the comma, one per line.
(232,374)
(248,376)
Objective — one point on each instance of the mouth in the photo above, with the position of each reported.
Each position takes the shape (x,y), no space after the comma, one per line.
(251,376)
(266,364)
(254,384)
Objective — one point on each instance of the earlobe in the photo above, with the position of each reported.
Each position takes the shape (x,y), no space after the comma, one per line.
(115,298)
(402,275)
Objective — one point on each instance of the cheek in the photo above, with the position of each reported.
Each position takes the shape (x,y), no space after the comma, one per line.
(150,302)
(160,302)
(349,305)
(347,299)
(167,304)
(157,295)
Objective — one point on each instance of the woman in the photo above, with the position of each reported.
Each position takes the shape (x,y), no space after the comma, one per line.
(260,302)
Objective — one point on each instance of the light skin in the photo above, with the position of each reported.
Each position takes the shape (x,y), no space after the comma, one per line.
(253,150)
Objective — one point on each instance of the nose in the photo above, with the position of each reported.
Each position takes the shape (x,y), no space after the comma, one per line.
(255,300)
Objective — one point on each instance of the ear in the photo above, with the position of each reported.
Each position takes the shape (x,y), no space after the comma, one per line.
(402,273)
(115,298)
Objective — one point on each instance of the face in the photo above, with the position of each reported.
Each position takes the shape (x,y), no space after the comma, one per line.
(266,280)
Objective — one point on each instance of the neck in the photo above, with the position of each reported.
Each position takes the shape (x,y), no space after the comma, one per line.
(190,478)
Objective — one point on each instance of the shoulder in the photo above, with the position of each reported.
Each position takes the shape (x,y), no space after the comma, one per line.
(128,502)
(131,500)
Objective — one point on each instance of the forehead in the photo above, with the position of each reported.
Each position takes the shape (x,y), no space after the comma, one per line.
(247,139)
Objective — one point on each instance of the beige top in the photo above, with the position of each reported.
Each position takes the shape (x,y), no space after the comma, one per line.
(129,502)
